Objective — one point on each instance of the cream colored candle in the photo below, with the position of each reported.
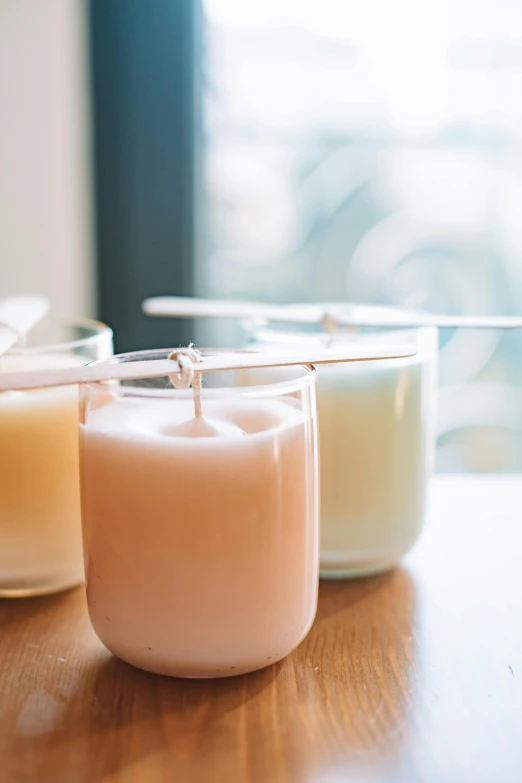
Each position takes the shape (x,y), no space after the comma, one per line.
(376,442)
(201,540)
(376,439)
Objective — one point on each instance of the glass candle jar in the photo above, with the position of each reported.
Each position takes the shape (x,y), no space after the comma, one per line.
(201,536)
(376,444)
(40,528)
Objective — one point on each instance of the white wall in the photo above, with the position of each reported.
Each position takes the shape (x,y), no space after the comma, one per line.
(46,242)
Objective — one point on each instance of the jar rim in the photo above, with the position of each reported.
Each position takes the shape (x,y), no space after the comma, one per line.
(266,333)
(306,379)
(395,317)
(96,330)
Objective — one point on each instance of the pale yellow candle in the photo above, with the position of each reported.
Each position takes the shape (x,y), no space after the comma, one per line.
(201,539)
(40,530)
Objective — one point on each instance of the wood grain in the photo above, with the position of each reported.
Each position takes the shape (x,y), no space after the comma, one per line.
(410,676)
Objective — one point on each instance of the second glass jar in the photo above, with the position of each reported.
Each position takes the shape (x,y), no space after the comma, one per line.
(376,442)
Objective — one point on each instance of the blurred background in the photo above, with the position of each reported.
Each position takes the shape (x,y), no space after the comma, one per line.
(280,150)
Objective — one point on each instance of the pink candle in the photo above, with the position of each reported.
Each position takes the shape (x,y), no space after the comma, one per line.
(201,538)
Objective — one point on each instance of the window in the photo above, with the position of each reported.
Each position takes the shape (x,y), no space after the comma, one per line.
(372,152)
(294,150)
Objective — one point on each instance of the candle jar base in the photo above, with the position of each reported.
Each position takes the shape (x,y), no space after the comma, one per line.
(357,568)
(165,665)
(33,584)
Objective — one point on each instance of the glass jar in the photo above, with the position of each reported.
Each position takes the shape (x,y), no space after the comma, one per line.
(40,529)
(201,536)
(376,444)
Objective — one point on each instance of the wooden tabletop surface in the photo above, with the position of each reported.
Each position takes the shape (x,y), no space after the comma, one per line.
(415,675)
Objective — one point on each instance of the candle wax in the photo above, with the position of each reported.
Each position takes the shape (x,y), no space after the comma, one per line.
(201,552)
(201,427)
(40,531)
(374,442)
(375,422)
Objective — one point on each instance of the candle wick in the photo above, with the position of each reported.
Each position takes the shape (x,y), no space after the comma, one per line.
(196,388)
(329,325)
(186,358)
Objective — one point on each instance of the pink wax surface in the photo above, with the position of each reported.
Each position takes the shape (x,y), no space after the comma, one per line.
(201,553)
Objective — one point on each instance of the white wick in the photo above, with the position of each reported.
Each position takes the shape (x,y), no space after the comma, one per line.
(186,358)
(329,325)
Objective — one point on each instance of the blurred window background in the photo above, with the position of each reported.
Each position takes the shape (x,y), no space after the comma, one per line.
(371,152)
(281,150)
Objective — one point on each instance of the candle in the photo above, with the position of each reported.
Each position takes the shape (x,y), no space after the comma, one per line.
(200,534)
(40,529)
(376,447)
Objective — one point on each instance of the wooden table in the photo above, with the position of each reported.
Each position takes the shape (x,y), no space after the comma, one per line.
(415,675)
